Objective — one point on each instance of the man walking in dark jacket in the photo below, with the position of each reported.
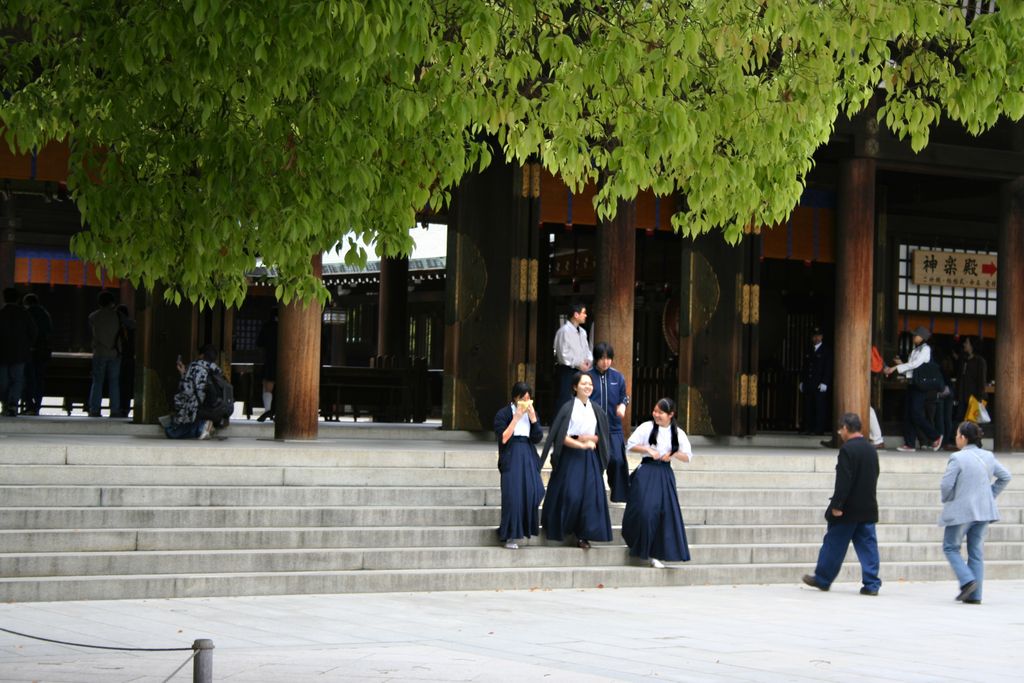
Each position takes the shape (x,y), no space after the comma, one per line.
(852,512)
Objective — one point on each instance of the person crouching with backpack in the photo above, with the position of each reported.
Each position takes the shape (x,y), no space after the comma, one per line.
(186,421)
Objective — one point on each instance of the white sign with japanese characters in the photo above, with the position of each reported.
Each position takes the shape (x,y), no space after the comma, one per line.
(954,269)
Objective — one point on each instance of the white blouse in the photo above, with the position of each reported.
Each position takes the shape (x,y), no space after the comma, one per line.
(582,420)
(522,427)
(641,437)
(919,356)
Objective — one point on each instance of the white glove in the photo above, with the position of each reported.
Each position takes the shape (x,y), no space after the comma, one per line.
(822,388)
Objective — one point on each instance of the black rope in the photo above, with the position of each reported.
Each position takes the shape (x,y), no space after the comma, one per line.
(101,647)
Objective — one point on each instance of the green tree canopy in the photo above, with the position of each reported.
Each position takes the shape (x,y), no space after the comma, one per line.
(206,134)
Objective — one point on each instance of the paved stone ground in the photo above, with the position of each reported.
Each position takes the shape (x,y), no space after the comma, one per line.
(911,632)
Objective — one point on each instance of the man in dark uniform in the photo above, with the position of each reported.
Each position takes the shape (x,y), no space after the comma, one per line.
(815,381)
(852,512)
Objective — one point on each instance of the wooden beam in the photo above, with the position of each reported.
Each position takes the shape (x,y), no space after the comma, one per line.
(615,290)
(1009,404)
(297,389)
(854,278)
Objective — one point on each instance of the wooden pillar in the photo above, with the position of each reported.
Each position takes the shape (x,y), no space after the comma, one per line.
(854,279)
(1009,403)
(615,290)
(393,308)
(8,237)
(297,390)
(163,332)
(489,290)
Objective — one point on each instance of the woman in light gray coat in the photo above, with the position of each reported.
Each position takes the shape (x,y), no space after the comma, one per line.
(968,505)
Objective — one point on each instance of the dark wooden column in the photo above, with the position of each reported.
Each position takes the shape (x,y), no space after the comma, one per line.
(488,280)
(297,389)
(615,289)
(8,237)
(393,308)
(1009,428)
(855,232)
(164,331)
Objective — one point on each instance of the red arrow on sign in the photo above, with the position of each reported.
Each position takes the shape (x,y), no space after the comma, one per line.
(988,268)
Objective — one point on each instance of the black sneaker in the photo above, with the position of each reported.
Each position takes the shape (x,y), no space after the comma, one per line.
(867,591)
(966,591)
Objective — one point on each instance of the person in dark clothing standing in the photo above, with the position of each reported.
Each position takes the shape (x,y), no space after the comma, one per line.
(35,370)
(972,380)
(610,395)
(852,512)
(105,324)
(17,335)
(815,380)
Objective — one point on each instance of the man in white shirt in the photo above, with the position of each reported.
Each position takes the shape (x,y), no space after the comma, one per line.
(572,353)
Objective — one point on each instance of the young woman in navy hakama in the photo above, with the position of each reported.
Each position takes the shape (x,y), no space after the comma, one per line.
(652,525)
(517,430)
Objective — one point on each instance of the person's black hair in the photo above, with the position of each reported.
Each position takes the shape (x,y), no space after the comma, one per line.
(666,405)
(971,431)
(852,422)
(29,299)
(576,307)
(576,381)
(520,389)
(209,352)
(10,295)
(603,350)
(105,298)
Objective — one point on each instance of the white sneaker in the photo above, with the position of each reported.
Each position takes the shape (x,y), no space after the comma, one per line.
(207,430)
(656,563)
(512,545)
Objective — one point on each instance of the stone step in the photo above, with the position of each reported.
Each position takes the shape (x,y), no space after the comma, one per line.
(322,496)
(112,540)
(412,515)
(152,586)
(439,558)
(253,475)
(427,453)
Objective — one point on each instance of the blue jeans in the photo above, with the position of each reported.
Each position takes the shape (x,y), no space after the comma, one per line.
(12,382)
(833,551)
(974,568)
(190,430)
(105,369)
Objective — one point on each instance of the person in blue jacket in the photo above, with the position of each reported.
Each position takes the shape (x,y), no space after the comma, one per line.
(610,394)
(517,430)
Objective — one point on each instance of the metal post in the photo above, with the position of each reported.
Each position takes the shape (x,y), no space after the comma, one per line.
(202,665)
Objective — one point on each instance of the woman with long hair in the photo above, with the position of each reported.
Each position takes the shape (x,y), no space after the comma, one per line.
(578,444)
(652,524)
(517,430)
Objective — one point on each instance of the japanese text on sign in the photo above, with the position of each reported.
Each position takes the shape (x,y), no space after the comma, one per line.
(954,269)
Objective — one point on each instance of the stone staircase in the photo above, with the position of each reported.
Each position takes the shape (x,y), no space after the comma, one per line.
(94,518)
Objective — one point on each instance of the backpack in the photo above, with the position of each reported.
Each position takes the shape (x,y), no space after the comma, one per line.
(219,403)
(928,377)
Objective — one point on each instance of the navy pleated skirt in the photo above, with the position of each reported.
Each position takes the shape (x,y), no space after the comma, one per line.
(521,490)
(576,502)
(652,525)
(618,468)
